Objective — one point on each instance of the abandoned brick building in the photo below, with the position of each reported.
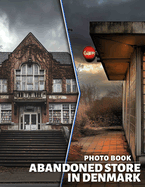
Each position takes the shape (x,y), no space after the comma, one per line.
(38,95)
(37,88)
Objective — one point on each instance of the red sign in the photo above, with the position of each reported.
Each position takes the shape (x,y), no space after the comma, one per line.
(89,53)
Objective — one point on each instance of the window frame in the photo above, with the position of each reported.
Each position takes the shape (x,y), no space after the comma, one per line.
(56,84)
(2,84)
(9,113)
(71,85)
(64,114)
(29,85)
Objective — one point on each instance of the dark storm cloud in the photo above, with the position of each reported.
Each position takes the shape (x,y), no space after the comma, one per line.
(41,17)
(80,12)
(31,12)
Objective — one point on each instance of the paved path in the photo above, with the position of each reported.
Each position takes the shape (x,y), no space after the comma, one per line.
(18,176)
(106,142)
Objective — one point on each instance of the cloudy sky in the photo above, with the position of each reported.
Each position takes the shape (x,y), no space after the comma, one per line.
(41,17)
(78,15)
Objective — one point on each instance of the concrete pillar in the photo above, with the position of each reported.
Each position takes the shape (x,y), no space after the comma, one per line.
(138,100)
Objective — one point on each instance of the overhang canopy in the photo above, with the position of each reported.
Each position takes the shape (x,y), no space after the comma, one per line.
(115,43)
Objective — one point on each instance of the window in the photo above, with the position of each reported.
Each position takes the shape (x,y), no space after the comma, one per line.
(57,85)
(3,85)
(5,113)
(71,86)
(61,113)
(30,77)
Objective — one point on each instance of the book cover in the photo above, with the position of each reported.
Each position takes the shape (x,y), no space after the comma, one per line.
(107,147)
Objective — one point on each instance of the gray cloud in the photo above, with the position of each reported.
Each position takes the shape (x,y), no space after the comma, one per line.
(41,17)
(80,12)
(99,80)
(32,12)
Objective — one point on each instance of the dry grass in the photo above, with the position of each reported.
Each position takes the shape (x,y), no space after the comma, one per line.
(81,121)
(100,113)
(94,113)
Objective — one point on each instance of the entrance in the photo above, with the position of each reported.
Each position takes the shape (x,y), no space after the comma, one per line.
(30,118)
(29,121)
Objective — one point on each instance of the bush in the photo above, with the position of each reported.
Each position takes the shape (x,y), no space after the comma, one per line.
(108,110)
(95,112)
(75,153)
(81,121)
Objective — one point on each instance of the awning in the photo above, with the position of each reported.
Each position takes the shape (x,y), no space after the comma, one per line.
(115,43)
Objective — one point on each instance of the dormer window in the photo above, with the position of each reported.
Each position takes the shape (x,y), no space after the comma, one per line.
(30,77)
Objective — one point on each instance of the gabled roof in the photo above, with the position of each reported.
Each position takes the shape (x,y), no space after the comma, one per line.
(29,39)
(62,57)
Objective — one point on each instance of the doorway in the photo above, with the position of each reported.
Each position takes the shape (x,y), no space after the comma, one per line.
(29,121)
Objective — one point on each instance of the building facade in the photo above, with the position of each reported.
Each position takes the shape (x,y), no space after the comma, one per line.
(38,89)
(121,46)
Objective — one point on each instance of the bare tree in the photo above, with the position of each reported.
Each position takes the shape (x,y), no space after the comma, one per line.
(89,93)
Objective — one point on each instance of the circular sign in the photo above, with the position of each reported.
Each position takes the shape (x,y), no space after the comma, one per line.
(89,53)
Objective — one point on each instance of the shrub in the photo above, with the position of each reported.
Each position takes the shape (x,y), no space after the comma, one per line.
(81,121)
(75,153)
(108,110)
(95,112)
